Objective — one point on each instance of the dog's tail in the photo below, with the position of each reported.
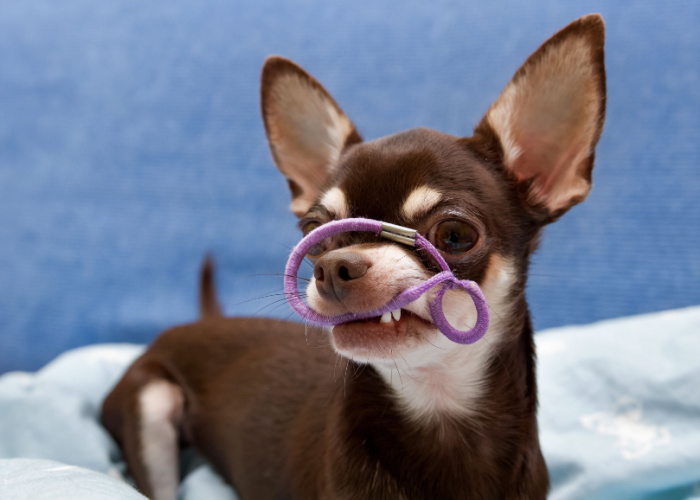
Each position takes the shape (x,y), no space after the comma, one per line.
(208,302)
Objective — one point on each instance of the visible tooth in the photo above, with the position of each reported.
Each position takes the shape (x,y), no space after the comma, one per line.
(396,314)
(386,318)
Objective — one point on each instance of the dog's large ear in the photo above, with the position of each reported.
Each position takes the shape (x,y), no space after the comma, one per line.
(549,118)
(306,129)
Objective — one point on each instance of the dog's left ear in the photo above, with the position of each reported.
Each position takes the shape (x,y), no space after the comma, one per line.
(549,118)
(306,129)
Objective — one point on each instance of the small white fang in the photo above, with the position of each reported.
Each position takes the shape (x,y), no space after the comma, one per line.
(386,318)
(396,314)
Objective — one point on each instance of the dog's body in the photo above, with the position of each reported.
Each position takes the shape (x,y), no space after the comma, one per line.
(390,408)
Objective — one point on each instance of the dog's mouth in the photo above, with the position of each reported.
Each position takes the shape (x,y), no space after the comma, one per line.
(380,331)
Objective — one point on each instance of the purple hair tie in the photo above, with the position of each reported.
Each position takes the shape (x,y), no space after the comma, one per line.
(402,235)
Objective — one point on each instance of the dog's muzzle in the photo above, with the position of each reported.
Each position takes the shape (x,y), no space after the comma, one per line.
(446,280)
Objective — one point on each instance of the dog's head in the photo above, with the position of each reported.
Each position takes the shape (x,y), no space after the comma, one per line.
(480,200)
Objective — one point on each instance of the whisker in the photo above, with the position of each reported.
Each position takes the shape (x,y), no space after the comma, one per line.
(276,294)
(494,311)
(338,357)
(359,368)
(397,371)
(499,358)
(410,375)
(284,245)
(401,258)
(274,306)
(345,379)
(320,346)
(279,275)
(436,347)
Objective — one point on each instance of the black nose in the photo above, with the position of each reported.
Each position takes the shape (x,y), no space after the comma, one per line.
(338,273)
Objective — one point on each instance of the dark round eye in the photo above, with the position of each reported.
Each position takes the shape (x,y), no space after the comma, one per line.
(454,237)
(319,247)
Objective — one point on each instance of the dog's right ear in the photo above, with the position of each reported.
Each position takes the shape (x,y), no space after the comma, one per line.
(306,129)
(549,118)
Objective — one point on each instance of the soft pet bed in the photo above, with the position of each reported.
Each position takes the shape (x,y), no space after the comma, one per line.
(619,414)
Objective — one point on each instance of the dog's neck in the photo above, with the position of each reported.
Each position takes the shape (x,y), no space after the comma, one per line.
(474,423)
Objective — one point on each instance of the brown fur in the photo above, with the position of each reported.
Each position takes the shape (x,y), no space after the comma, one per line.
(328,428)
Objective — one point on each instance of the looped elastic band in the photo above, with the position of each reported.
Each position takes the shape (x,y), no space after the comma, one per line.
(405,236)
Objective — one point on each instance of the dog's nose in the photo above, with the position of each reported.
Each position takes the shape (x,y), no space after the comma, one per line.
(337,272)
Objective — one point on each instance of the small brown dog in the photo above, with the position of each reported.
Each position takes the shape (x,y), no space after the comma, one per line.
(405,413)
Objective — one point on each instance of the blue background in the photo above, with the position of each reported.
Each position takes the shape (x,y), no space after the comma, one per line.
(131,144)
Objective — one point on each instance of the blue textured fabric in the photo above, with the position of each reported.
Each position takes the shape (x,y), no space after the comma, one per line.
(131,144)
(611,428)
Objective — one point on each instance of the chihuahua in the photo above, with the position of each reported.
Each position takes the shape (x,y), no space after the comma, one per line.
(385,407)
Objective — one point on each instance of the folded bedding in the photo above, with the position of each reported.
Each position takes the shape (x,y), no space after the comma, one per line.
(619,417)
(36,479)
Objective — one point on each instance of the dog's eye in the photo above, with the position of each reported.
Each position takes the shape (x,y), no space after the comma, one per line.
(454,237)
(319,247)
(310,226)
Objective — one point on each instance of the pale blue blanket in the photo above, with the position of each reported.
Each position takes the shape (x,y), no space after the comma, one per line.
(619,417)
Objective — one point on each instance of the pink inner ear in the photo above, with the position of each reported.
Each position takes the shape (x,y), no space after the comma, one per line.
(563,177)
(548,120)
(557,169)
(307,132)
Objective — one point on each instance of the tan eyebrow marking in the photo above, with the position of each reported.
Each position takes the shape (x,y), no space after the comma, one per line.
(420,201)
(334,201)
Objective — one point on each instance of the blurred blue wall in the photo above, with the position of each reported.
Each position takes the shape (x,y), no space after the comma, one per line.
(131,144)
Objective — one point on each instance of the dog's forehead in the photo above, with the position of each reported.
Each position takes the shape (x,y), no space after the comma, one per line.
(404,174)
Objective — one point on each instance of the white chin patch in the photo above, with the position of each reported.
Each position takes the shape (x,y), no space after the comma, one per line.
(439,377)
